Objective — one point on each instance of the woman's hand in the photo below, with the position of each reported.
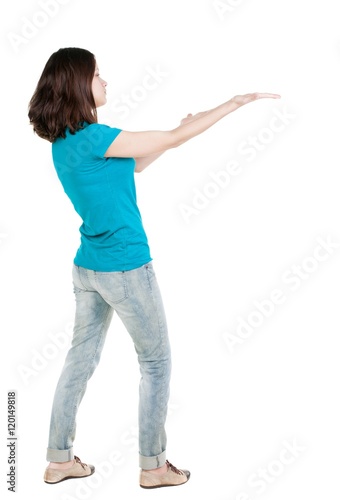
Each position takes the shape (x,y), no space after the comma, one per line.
(240,100)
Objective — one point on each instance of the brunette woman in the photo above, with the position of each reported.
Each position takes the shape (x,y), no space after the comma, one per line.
(112,268)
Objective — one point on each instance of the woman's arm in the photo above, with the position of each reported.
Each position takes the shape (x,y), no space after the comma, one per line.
(143,162)
(143,144)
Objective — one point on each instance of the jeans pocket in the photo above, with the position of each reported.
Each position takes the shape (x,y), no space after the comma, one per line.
(112,286)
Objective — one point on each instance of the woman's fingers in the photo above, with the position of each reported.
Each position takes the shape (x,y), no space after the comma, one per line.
(273,96)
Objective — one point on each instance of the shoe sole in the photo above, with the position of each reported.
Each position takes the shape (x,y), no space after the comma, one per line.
(69,477)
(163,485)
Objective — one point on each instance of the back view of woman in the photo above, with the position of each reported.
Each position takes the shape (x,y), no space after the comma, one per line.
(112,268)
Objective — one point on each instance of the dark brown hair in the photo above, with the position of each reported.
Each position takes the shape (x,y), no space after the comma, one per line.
(63,97)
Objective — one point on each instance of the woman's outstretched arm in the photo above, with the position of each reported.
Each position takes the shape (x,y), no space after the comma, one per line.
(143,144)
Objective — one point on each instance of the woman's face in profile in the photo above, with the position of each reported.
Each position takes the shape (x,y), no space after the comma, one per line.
(98,89)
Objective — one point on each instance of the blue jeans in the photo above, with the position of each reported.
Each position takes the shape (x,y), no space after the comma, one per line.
(136,298)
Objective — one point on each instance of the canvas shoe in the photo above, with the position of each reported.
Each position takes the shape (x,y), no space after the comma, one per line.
(172,477)
(78,469)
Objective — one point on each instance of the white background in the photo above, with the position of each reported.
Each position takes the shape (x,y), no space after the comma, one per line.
(231,413)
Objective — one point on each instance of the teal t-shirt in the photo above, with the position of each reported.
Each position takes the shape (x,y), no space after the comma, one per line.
(103,193)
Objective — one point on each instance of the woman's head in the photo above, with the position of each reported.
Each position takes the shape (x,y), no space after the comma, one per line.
(67,94)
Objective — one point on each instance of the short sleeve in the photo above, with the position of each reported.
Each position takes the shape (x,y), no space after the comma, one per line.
(101,136)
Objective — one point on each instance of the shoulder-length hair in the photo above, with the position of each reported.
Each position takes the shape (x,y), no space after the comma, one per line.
(63,96)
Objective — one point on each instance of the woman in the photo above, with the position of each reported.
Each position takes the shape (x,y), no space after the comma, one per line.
(112,269)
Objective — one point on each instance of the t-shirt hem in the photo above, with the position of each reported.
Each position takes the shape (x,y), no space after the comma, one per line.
(117,268)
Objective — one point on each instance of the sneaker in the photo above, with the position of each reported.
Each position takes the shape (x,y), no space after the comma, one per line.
(77,470)
(172,477)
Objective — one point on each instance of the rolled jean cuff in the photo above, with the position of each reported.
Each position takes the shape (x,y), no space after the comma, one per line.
(59,455)
(155,462)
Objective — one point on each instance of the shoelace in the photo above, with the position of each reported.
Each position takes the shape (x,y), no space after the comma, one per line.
(173,468)
(78,461)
